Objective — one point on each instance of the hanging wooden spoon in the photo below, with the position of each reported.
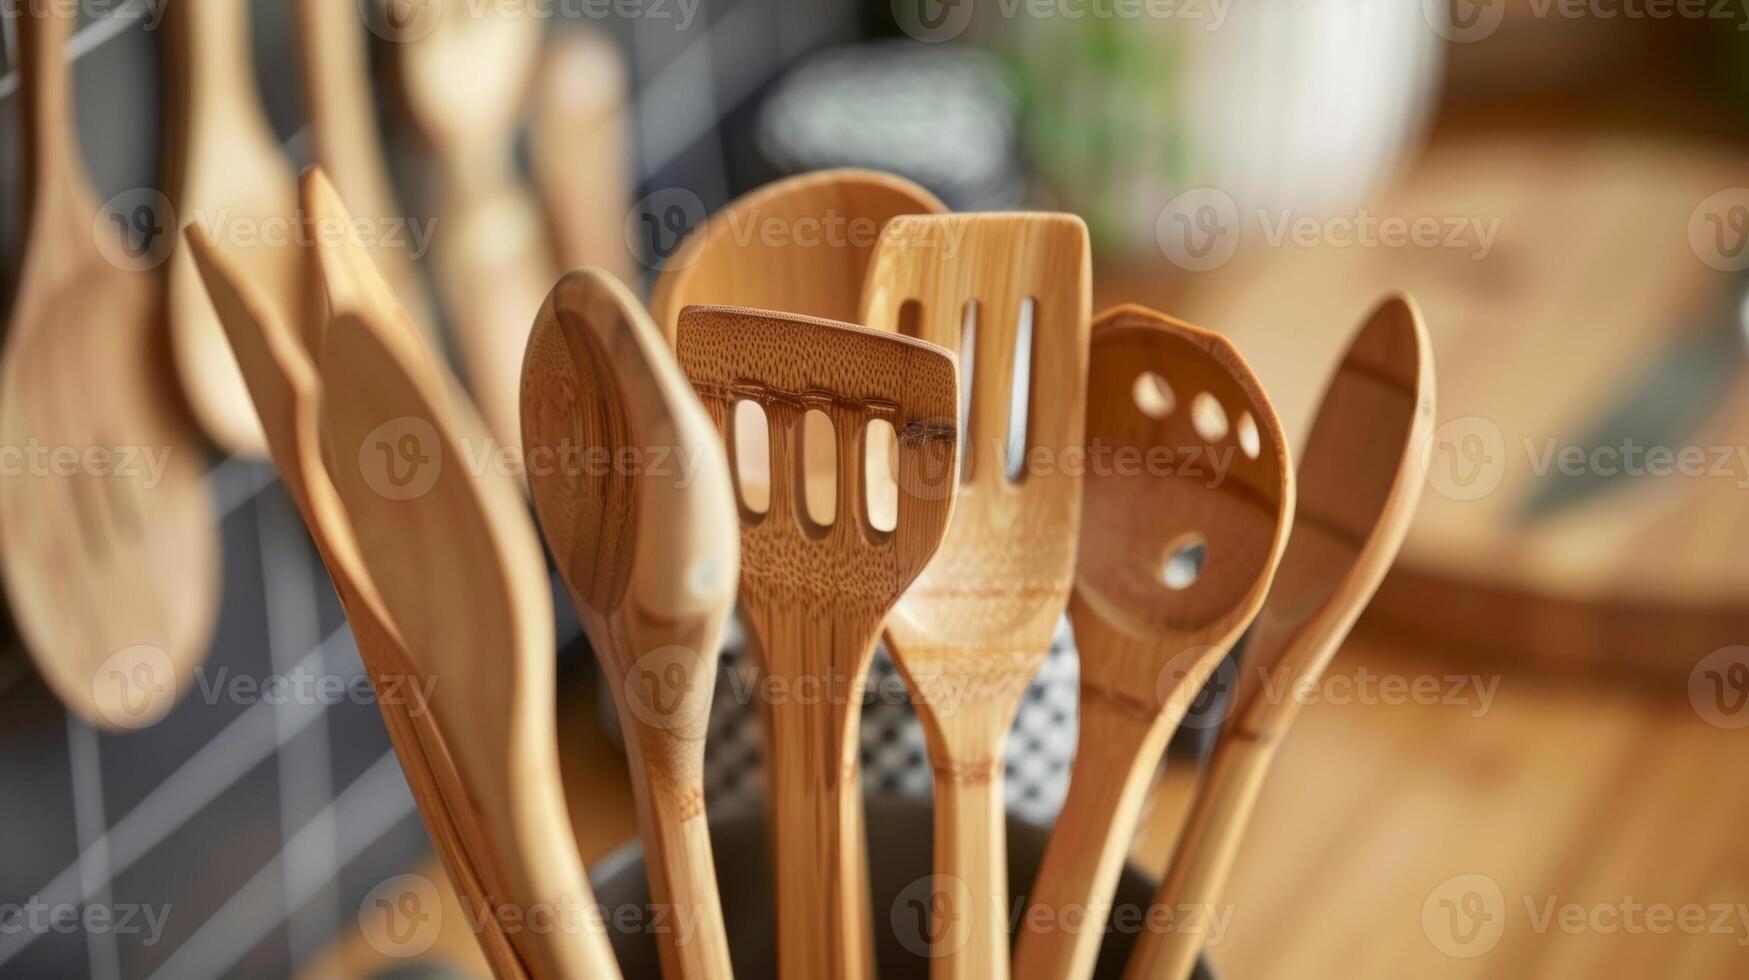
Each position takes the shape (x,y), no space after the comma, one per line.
(580,150)
(108,546)
(348,145)
(1189,500)
(816,594)
(233,178)
(456,563)
(282,383)
(632,489)
(1360,478)
(973,630)
(465,83)
(802,245)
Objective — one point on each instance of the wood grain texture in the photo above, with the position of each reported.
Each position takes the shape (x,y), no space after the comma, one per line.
(344,134)
(972,631)
(231,176)
(815,595)
(100,555)
(580,150)
(1161,475)
(465,84)
(1360,478)
(632,489)
(287,397)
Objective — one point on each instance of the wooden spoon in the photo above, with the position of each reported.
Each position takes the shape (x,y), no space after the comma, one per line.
(282,382)
(816,595)
(465,84)
(1186,463)
(580,149)
(110,563)
(232,177)
(972,632)
(1360,478)
(348,144)
(459,570)
(648,547)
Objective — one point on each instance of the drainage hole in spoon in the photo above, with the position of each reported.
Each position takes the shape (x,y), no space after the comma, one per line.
(1184,563)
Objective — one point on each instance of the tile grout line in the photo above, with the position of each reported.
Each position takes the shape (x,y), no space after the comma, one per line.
(103,959)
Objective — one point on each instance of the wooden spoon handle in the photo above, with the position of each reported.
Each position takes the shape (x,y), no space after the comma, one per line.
(52,163)
(1204,858)
(1071,896)
(969,935)
(215,53)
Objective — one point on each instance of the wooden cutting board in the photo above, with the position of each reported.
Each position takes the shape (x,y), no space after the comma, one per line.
(1589,279)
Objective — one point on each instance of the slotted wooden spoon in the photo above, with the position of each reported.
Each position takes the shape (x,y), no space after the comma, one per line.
(466,83)
(282,382)
(456,562)
(1186,464)
(232,176)
(649,549)
(816,595)
(1360,478)
(973,630)
(111,569)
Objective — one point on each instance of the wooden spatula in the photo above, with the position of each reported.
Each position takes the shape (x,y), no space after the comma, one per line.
(1360,478)
(111,570)
(1189,500)
(282,383)
(632,489)
(459,570)
(816,594)
(973,630)
(232,176)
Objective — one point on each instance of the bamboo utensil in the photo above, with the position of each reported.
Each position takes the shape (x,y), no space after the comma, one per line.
(816,594)
(232,176)
(973,630)
(465,84)
(1189,499)
(282,383)
(348,147)
(580,150)
(650,552)
(1360,478)
(111,570)
(459,571)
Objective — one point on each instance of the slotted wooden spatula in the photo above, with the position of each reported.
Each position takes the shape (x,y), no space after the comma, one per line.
(816,595)
(973,630)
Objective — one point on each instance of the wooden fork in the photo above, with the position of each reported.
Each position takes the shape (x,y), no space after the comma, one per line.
(816,595)
(973,630)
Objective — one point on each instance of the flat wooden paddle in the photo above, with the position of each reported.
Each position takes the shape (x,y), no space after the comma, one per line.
(973,630)
(1360,478)
(1189,499)
(632,488)
(110,555)
(816,594)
